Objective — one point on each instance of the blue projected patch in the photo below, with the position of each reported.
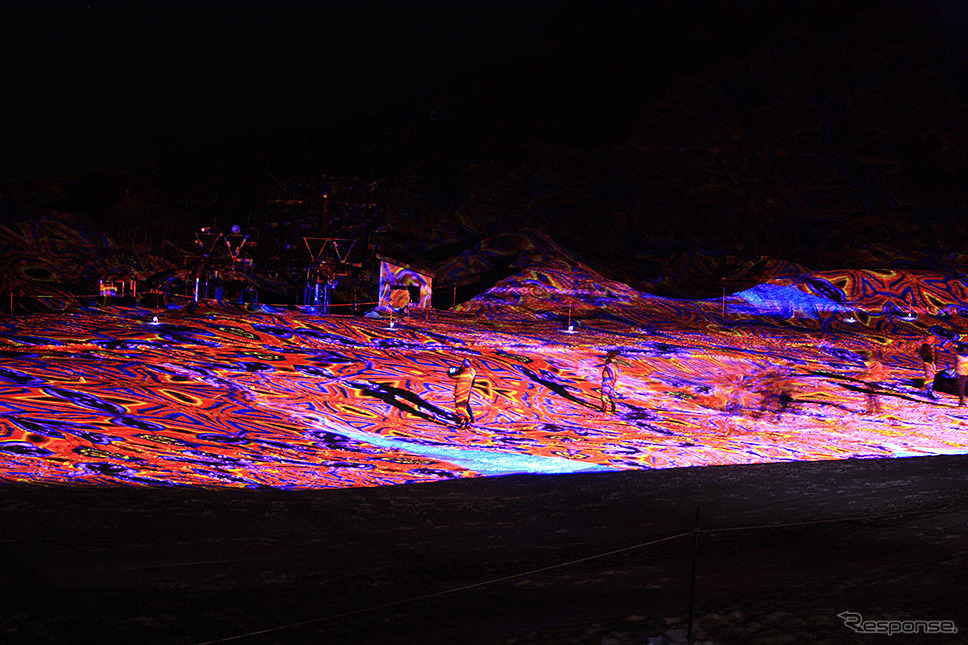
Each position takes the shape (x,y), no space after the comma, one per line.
(784,301)
(486,462)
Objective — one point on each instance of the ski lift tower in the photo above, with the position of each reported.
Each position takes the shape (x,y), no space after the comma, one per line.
(207,241)
(330,262)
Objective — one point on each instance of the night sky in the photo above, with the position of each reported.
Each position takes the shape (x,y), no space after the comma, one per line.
(96,85)
(90,85)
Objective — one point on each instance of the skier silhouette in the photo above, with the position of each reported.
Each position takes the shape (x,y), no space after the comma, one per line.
(464,377)
(929,359)
(873,375)
(609,380)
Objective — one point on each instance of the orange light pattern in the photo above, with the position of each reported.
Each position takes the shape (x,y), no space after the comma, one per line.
(262,397)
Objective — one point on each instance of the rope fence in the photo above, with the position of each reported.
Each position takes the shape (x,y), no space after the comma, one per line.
(694,534)
(13,301)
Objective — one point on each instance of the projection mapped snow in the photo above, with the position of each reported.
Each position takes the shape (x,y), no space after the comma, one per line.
(263,397)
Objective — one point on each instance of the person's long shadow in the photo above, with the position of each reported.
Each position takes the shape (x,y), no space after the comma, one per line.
(399,397)
(637,416)
(857,385)
(557,388)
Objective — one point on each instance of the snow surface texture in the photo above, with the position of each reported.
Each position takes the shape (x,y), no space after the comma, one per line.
(256,396)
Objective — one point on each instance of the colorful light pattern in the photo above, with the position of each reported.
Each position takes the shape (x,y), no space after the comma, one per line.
(394,275)
(260,397)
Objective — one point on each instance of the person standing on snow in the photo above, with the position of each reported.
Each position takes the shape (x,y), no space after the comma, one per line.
(464,375)
(961,373)
(929,359)
(874,373)
(609,380)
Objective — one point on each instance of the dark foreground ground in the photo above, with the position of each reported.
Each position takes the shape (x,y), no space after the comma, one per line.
(603,558)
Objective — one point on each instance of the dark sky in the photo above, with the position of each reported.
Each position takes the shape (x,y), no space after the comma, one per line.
(93,85)
(89,84)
